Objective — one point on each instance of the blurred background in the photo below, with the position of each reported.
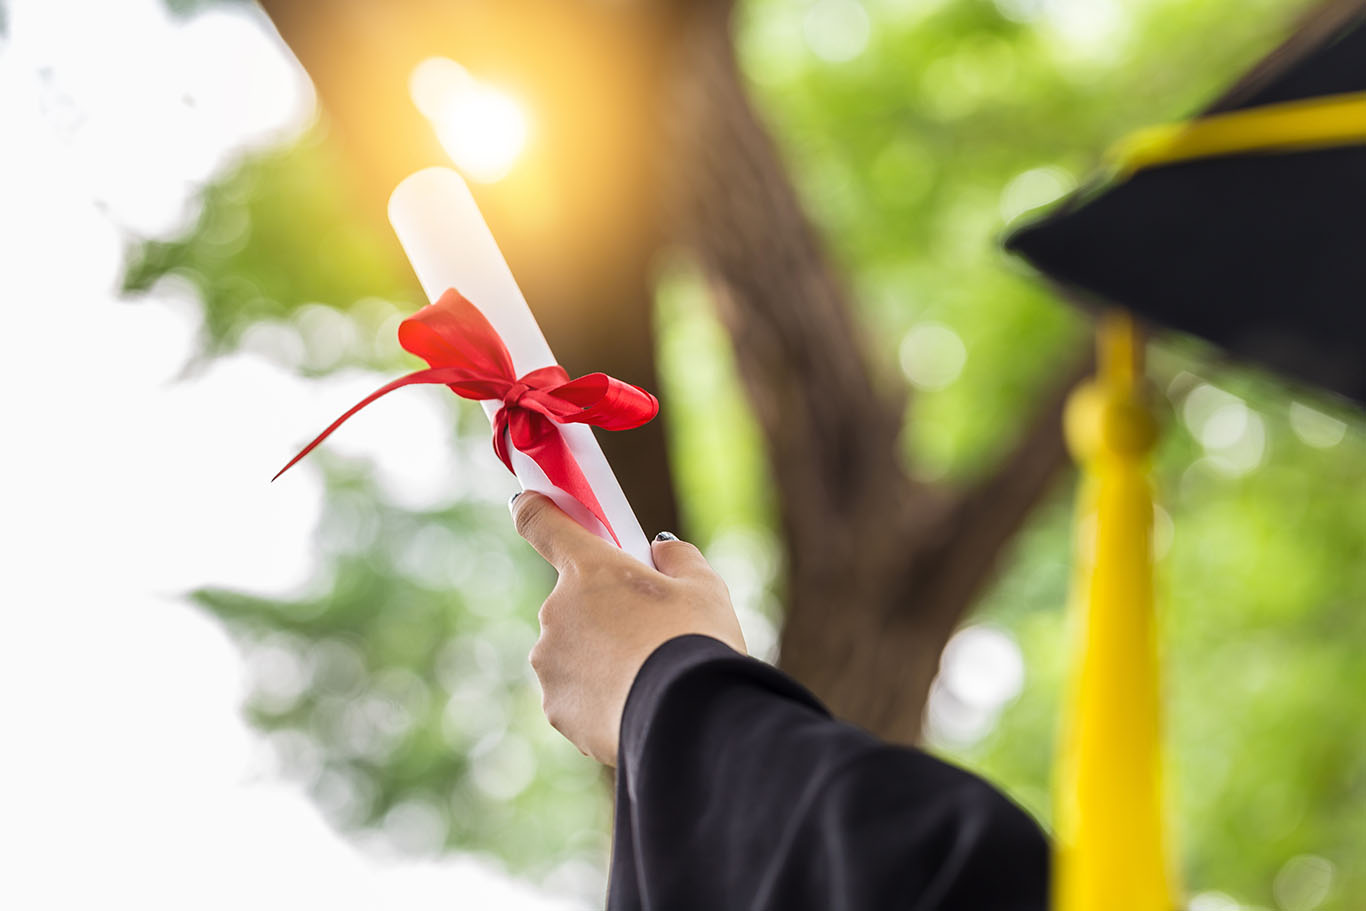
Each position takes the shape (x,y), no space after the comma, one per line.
(780,215)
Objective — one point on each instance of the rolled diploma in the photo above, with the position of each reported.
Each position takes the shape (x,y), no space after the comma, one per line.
(450,246)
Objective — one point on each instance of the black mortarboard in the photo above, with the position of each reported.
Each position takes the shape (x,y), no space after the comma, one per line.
(1261,250)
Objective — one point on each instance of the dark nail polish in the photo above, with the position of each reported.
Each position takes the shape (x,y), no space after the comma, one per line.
(666,536)
(513,498)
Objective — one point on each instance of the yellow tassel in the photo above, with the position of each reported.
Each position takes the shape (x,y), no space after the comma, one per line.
(1110,837)
(1309,123)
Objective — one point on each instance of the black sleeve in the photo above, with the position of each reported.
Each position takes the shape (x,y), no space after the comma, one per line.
(737,790)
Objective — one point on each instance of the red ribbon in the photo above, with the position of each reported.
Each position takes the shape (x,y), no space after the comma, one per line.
(469,357)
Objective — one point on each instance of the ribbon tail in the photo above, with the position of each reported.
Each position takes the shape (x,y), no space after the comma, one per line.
(500,434)
(536,436)
(435,375)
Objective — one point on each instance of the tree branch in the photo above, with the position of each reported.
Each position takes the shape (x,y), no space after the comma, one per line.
(880,568)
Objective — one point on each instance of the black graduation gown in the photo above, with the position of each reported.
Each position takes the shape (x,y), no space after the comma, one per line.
(737,790)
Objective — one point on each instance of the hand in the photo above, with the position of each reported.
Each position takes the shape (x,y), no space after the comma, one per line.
(606,614)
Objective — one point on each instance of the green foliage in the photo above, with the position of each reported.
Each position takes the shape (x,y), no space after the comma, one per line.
(276,235)
(954,121)
(1261,591)
(398,688)
(957,118)
(405,694)
(717,451)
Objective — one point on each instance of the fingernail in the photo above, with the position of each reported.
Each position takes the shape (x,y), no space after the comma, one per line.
(513,499)
(666,536)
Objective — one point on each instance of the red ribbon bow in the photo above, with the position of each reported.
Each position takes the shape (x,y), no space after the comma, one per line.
(469,357)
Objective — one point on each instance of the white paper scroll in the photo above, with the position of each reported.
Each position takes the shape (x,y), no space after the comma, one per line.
(450,246)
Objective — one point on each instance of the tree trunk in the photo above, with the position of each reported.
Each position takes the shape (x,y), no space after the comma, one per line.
(880,569)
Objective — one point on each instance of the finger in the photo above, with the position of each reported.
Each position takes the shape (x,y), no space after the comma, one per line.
(678,559)
(556,537)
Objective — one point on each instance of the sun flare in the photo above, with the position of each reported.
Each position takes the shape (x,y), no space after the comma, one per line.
(482,128)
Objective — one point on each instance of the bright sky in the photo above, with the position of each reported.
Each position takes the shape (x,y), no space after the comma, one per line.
(129,778)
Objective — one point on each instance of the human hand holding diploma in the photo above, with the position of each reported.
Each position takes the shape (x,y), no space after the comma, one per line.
(606,615)
(480,340)
(611,606)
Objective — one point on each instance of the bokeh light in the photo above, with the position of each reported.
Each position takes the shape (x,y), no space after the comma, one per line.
(1315,428)
(1034,188)
(836,30)
(932,355)
(981,671)
(1304,882)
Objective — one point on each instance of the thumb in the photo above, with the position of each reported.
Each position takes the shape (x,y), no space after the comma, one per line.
(678,559)
(556,537)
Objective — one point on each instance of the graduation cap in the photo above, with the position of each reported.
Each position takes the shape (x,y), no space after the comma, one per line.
(1245,225)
